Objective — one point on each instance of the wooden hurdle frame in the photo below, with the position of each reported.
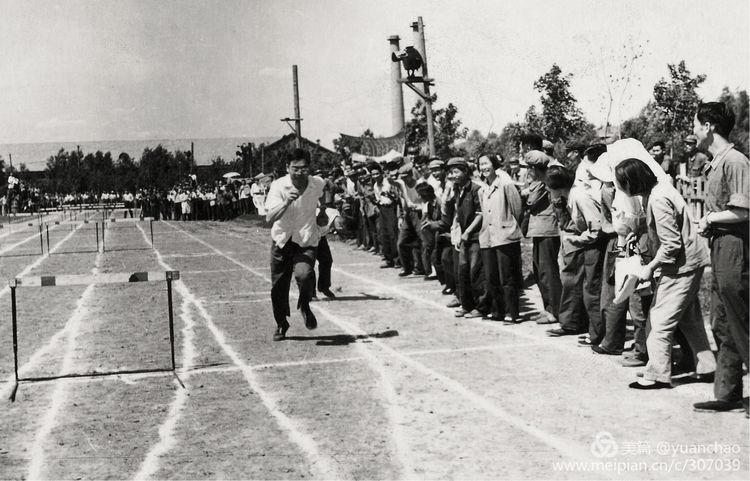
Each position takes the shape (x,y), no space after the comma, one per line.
(25,225)
(84,221)
(87,279)
(113,220)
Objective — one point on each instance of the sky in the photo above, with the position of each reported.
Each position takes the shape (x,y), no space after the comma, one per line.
(135,69)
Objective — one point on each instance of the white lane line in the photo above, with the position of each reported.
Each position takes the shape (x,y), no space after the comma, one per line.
(59,394)
(393,409)
(322,465)
(150,464)
(198,369)
(566,447)
(7,387)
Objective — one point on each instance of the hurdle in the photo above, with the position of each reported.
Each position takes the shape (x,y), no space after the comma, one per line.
(25,225)
(85,280)
(113,220)
(72,224)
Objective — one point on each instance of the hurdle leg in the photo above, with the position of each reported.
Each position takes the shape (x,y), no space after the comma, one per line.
(97,236)
(152,232)
(49,252)
(15,338)
(104,246)
(41,241)
(171,328)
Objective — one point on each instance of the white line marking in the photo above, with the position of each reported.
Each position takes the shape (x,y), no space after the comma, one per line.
(39,353)
(393,410)
(59,395)
(322,465)
(566,447)
(150,464)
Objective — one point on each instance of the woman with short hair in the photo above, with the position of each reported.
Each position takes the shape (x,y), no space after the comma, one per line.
(679,257)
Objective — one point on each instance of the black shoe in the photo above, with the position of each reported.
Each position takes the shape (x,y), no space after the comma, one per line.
(448,291)
(585,342)
(717,406)
(388,265)
(601,350)
(419,273)
(328,293)
(561,332)
(307,315)
(430,278)
(649,387)
(280,333)
(404,273)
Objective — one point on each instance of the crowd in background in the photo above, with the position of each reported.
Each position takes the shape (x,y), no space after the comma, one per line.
(602,213)
(189,200)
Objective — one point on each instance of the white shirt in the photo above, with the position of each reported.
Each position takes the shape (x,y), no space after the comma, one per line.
(298,221)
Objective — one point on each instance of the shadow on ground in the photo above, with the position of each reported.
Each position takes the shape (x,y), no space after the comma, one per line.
(343,339)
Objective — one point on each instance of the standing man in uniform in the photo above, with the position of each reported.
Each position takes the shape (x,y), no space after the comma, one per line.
(291,207)
(726,226)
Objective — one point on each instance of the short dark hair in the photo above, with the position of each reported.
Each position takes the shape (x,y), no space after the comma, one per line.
(298,154)
(594,151)
(425,190)
(375,166)
(635,177)
(559,178)
(495,159)
(718,114)
(658,143)
(533,140)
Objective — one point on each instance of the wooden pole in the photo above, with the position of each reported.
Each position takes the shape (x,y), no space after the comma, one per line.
(297,119)
(418,28)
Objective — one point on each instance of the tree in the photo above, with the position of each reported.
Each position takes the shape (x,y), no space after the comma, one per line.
(561,119)
(477,144)
(741,105)
(448,129)
(676,101)
(244,160)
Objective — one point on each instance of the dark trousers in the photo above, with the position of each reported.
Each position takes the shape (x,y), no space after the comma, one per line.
(429,249)
(547,272)
(501,266)
(388,232)
(409,244)
(471,278)
(372,232)
(325,262)
(448,261)
(729,313)
(581,279)
(291,259)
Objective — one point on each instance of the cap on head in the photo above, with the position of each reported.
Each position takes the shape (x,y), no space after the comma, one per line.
(459,162)
(436,164)
(536,158)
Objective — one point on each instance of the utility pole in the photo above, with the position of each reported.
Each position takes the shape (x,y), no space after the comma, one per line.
(425,81)
(418,29)
(297,119)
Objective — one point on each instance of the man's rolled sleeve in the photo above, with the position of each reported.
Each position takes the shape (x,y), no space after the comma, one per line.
(737,179)
(669,233)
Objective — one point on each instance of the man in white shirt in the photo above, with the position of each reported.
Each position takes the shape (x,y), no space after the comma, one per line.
(291,208)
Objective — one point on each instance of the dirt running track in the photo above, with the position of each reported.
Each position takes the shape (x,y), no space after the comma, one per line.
(390,385)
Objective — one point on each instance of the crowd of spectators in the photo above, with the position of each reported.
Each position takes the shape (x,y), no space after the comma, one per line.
(460,222)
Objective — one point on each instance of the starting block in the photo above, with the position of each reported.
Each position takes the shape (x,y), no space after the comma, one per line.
(88,279)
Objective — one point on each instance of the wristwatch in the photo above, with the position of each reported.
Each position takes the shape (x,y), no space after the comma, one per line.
(708,219)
